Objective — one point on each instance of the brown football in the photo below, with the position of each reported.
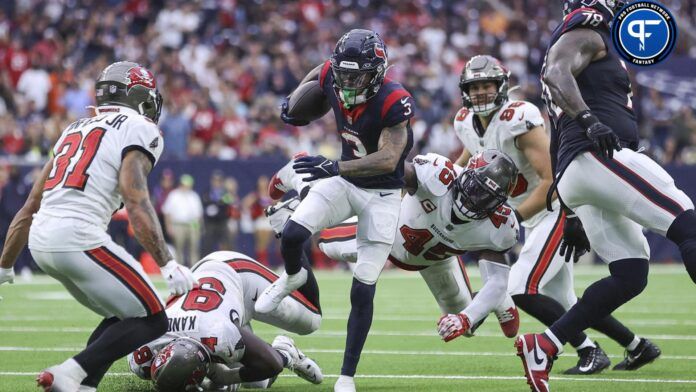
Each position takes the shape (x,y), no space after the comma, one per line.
(308,102)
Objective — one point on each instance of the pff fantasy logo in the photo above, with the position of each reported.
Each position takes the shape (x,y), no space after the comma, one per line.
(644,32)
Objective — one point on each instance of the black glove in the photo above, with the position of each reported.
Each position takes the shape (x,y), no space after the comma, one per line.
(288,119)
(603,138)
(575,242)
(318,166)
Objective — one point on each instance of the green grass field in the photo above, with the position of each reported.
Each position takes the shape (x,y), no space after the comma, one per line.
(40,325)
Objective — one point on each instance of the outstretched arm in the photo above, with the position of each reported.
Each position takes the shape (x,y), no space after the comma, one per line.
(391,145)
(18,232)
(463,158)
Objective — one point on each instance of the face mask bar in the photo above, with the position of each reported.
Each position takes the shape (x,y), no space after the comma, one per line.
(473,199)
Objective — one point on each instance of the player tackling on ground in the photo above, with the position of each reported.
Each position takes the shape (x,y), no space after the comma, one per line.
(372,116)
(99,163)
(614,190)
(209,333)
(541,281)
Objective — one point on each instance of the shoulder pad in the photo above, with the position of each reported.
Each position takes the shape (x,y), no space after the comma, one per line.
(521,117)
(324,71)
(398,105)
(507,230)
(585,18)
(435,173)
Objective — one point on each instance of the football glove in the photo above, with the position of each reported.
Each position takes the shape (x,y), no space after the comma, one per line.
(6,275)
(287,118)
(452,326)
(603,138)
(575,242)
(179,278)
(317,166)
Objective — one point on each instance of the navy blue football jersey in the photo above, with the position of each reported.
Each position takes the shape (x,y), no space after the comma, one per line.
(605,88)
(361,126)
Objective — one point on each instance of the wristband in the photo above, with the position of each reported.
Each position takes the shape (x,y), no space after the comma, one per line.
(586,119)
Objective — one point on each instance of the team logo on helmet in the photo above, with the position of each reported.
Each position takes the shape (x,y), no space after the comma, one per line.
(140,76)
(379,52)
(644,33)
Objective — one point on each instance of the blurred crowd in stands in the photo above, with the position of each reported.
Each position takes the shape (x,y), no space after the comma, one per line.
(224,65)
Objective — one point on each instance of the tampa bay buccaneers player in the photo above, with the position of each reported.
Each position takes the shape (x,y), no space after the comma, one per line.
(541,280)
(209,332)
(372,115)
(603,182)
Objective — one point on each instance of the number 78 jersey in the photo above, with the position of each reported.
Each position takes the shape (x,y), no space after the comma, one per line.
(426,231)
(87,160)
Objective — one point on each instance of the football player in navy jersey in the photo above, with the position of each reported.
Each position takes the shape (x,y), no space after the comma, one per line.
(604,184)
(372,116)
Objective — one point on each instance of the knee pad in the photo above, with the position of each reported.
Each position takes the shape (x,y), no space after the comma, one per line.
(683,228)
(631,275)
(367,272)
(294,234)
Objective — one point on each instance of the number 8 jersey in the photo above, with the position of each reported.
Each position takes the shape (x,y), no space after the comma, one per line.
(81,192)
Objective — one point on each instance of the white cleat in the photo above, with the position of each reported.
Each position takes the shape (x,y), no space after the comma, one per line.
(278,214)
(269,300)
(282,182)
(85,388)
(344,384)
(299,363)
(60,379)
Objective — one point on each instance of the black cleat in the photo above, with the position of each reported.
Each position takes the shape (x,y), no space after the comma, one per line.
(645,353)
(592,361)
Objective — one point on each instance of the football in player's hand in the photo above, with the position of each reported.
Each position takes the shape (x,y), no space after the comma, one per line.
(308,102)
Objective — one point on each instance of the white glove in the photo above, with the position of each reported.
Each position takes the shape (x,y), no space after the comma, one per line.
(452,326)
(179,278)
(6,275)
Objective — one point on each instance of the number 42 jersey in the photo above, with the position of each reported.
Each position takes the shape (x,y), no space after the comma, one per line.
(427,232)
(81,192)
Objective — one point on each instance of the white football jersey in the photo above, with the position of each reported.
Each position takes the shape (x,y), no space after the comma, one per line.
(82,189)
(210,314)
(426,231)
(513,119)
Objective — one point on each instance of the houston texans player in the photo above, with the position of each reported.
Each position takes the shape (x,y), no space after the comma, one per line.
(605,185)
(215,320)
(541,281)
(100,162)
(372,115)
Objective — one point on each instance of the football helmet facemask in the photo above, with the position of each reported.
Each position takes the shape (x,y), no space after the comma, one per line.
(484,68)
(359,64)
(484,186)
(180,366)
(128,84)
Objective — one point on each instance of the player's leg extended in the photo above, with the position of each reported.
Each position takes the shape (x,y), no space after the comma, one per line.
(326,204)
(110,279)
(377,222)
(651,199)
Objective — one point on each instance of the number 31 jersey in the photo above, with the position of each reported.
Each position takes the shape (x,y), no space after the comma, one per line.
(83,184)
(427,233)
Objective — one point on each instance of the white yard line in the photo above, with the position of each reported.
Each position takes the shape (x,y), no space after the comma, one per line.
(442,377)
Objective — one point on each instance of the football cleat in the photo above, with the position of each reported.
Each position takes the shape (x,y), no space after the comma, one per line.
(52,380)
(537,353)
(344,384)
(645,353)
(281,182)
(509,320)
(299,363)
(592,361)
(279,214)
(270,298)
(85,388)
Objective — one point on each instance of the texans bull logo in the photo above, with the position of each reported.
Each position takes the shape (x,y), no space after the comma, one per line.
(140,76)
(379,52)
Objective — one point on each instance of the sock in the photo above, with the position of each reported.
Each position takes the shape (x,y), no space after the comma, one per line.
(548,311)
(615,330)
(492,292)
(585,344)
(73,369)
(359,322)
(628,278)
(93,380)
(119,339)
(555,342)
(292,240)
(284,357)
(634,343)
(682,232)
(311,288)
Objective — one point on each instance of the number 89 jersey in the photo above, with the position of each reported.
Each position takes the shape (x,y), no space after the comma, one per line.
(84,181)
(426,231)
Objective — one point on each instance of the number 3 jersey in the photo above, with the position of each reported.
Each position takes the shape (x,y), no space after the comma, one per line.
(513,119)
(82,191)
(427,231)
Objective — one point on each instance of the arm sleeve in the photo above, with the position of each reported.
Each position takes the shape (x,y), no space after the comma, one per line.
(435,174)
(145,137)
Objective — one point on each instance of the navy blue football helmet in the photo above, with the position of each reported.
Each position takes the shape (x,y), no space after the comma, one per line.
(606,7)
(358,63)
